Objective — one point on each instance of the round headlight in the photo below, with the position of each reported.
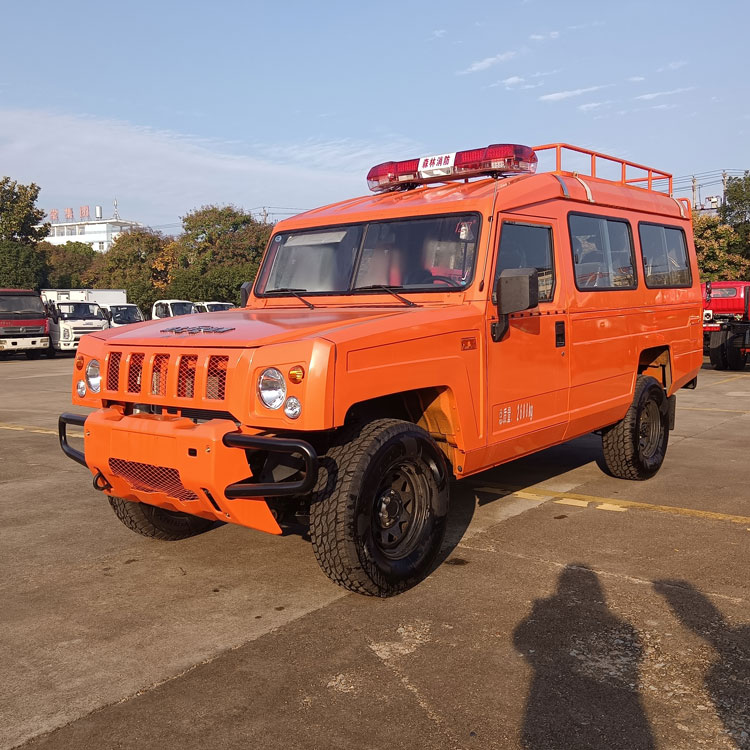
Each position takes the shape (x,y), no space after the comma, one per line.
(272,388)
(81,388)
(93,376)
(292,407)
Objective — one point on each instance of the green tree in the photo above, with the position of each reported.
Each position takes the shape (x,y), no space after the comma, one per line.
(22,265)
(19,215)
(68,264)
(132,264)
(219,249)
(735,210)
(716,245)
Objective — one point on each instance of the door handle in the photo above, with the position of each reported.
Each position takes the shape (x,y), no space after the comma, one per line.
(559,333)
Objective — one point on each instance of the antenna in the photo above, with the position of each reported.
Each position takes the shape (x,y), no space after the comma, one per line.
(115,215)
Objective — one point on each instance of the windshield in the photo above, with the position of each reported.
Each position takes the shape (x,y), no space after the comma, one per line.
(21,304)
(182,308)
(419,254)
(79,311)
(122,314)
(216,306)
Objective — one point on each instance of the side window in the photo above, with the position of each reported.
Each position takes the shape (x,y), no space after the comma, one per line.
(602,253)
(528,246)
(665,261)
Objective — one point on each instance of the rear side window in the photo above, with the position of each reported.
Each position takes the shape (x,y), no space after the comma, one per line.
(602,253)
(665,261)
(729,291)
(528,246)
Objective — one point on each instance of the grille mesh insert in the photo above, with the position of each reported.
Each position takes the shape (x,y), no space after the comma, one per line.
(151,478)
(113,371)
(216,385)
(135,373)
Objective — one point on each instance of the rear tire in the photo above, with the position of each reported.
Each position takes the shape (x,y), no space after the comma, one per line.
(636,446)
(717,350)
(736,360)
(378,512)
(32,355)
(158,523)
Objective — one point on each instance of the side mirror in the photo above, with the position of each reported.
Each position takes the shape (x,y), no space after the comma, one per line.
(245,292)
(516,290)
(709,287)
(53,314)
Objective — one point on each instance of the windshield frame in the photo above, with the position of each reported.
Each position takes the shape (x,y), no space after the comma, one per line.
(22,296)
(352,291)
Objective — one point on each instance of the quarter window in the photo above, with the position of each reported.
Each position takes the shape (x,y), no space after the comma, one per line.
(665,261)
(528,246)
(602,253)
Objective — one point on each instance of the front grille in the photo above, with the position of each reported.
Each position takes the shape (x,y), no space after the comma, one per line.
(159,375)
(217,378)
(81,331)
(113,371)
(151,478)
(163,375)
(135,373)
(22,330)
(186,376)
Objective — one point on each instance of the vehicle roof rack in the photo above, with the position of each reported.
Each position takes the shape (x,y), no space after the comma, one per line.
(646,178)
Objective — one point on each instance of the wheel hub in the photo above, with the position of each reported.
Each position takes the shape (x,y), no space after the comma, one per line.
(389,508)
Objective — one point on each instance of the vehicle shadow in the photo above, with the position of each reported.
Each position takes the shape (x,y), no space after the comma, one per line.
(584,690)
(728,679)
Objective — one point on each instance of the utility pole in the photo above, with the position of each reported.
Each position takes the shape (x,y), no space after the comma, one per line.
(264,214)
(695,192)
(723,187)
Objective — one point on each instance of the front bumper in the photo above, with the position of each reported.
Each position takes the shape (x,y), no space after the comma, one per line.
(24,344)
(176,464)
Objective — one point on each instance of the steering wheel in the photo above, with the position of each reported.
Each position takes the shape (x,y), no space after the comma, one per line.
(447,279)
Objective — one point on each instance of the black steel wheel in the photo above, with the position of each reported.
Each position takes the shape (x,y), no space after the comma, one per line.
(636,446)
(377,515)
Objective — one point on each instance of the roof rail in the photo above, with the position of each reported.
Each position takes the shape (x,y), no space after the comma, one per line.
(647,178)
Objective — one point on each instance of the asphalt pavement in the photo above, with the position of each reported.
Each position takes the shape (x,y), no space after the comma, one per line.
(570,609)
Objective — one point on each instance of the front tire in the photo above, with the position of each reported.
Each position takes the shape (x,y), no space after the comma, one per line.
(159,523)
(717,350)
(636,446)
(378,513)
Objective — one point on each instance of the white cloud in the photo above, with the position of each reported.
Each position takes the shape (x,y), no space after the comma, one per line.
(512,81)
(159,175)
(664,106)
(590,106)
(560,95)
(636,79)
(439,33)
(546,35)
(657,94)
(589,25)
(543,73)
(676,65)
(532,85)
(488,62)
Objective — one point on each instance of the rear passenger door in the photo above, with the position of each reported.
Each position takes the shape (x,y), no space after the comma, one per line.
(528,368)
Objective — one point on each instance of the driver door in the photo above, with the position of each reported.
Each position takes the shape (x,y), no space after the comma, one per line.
(528,369)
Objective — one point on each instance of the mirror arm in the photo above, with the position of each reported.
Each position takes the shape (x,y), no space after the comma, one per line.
(500,327)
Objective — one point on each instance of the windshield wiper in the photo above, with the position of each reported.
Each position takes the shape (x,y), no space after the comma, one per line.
(296,292)
(390,290)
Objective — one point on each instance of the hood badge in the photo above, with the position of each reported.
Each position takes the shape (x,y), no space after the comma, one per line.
(193,330)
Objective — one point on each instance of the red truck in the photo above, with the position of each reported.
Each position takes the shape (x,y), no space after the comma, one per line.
(23,322)
(726,323)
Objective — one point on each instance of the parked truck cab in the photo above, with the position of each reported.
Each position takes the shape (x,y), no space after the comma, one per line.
(23,323)
(726,323)
(170,308)
(468,312)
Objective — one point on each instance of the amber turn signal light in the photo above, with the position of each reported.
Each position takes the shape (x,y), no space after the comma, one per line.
(297,374)
(79,362)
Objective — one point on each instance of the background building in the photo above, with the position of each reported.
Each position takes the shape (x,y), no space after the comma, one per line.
(98,232)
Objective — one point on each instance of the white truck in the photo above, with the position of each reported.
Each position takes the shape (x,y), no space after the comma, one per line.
(171,308)
(73,313)
(213,306)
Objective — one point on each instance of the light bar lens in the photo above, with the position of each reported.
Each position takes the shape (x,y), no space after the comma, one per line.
(500,157)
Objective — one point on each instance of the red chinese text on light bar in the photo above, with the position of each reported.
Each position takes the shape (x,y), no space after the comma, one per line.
(507,158)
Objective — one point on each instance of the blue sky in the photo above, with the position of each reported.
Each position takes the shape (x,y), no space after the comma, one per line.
(171,105)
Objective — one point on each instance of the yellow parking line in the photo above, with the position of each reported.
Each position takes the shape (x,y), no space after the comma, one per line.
(726,380)
(706,408)
(540,492)
(36,430)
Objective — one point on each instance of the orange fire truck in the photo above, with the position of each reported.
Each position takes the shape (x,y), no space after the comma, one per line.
(468,312)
